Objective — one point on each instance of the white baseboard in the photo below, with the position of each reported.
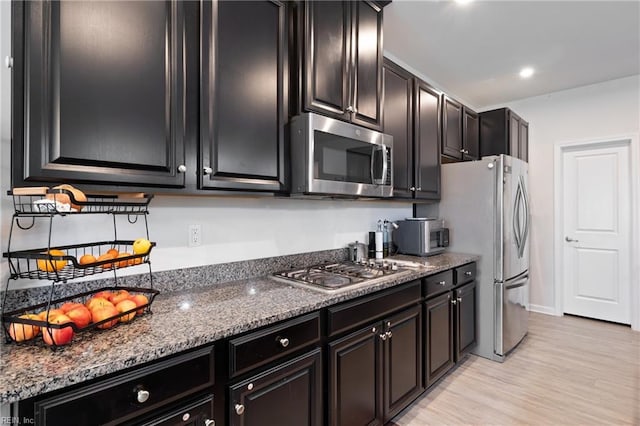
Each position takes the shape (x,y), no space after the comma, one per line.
(547,310)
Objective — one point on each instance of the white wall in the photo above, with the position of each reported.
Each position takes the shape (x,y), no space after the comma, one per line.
(597,111)
(232,228)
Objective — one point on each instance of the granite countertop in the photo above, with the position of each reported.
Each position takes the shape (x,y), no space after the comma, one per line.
(181,320)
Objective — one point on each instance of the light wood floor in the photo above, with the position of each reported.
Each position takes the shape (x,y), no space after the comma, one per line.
(567,371)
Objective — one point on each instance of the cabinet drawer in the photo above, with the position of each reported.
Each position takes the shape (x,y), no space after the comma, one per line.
(353,314)
(116,400)
(465,273)
(438,283)
(261,347)
(190,414)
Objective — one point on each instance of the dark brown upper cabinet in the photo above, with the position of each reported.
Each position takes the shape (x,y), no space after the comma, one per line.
(452,128)
(244,96)
(412,117)
(470,134)
(502,131)
(341,60)
(100,92)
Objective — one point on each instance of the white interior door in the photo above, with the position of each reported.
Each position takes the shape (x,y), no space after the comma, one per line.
(596,211)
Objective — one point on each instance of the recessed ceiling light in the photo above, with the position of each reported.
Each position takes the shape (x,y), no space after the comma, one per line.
(463,2)
(526,72)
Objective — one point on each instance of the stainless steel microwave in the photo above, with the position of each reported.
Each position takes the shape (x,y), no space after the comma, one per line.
(331,157)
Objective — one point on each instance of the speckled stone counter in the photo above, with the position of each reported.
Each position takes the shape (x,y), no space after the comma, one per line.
(181,320)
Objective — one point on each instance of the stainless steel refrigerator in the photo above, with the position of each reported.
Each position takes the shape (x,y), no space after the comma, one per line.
(485,204)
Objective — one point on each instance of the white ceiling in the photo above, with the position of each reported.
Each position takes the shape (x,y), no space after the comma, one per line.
(476,51)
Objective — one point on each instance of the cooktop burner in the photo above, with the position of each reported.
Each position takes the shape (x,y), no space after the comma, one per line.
(333,276)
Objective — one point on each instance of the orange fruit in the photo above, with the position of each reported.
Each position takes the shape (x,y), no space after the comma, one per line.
(21,332)
(124,263)
(106,256)
(47,265)
(87,259)
(114,252)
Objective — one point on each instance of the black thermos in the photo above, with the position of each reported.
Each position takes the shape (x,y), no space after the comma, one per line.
(372,245)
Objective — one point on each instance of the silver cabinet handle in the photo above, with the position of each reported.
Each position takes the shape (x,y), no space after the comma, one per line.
(442,282)
(209,422)
(468,273)
(419,188)
(413,188)
(284,342)
(389,334)
(462,150)
(383,336)
(570,240)
(142,395)
(182,168)
(453,301)
(459,299)
(239,409)
(207,170)
(8,61)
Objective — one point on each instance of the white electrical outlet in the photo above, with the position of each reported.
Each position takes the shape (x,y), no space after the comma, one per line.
(195,235)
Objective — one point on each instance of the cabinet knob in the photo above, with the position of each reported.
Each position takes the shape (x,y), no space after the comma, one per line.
(207,170)
(142,395)
(466,151)
(419,188)
(413,188)
(459,299)
(182,168)
(239,409)
(468,273)
(453,301)
(185,417)
(284,342)
(350,109)
(383,336)
(373,330)
(462,150)
(250,386)
(389,334)
(209,422)
(442,282)
(8,61)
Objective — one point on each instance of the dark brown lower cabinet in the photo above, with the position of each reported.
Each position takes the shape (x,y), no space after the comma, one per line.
(465,326)
(289,394)
(438,326)
(374,372)
(402,361)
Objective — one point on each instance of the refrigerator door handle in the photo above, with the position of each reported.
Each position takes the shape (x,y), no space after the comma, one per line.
(517,283)
(516,219)
(525,201)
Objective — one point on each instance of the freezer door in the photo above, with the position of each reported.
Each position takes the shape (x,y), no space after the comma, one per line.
(512,317)
(515,219)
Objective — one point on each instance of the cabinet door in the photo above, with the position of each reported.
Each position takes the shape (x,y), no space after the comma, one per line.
(438,325)
(514,135)
(470,135)
(287,395)
(355,378)
(100,92)
(427,103)
(523,146)
(452,128)
(244,96)
(327,44)
(465,319)
(398,122)
(403,361)
(367,64)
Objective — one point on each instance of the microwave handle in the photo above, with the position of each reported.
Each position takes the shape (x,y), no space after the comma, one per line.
(385,159)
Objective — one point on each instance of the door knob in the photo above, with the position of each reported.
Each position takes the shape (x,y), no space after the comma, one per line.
(570,240)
